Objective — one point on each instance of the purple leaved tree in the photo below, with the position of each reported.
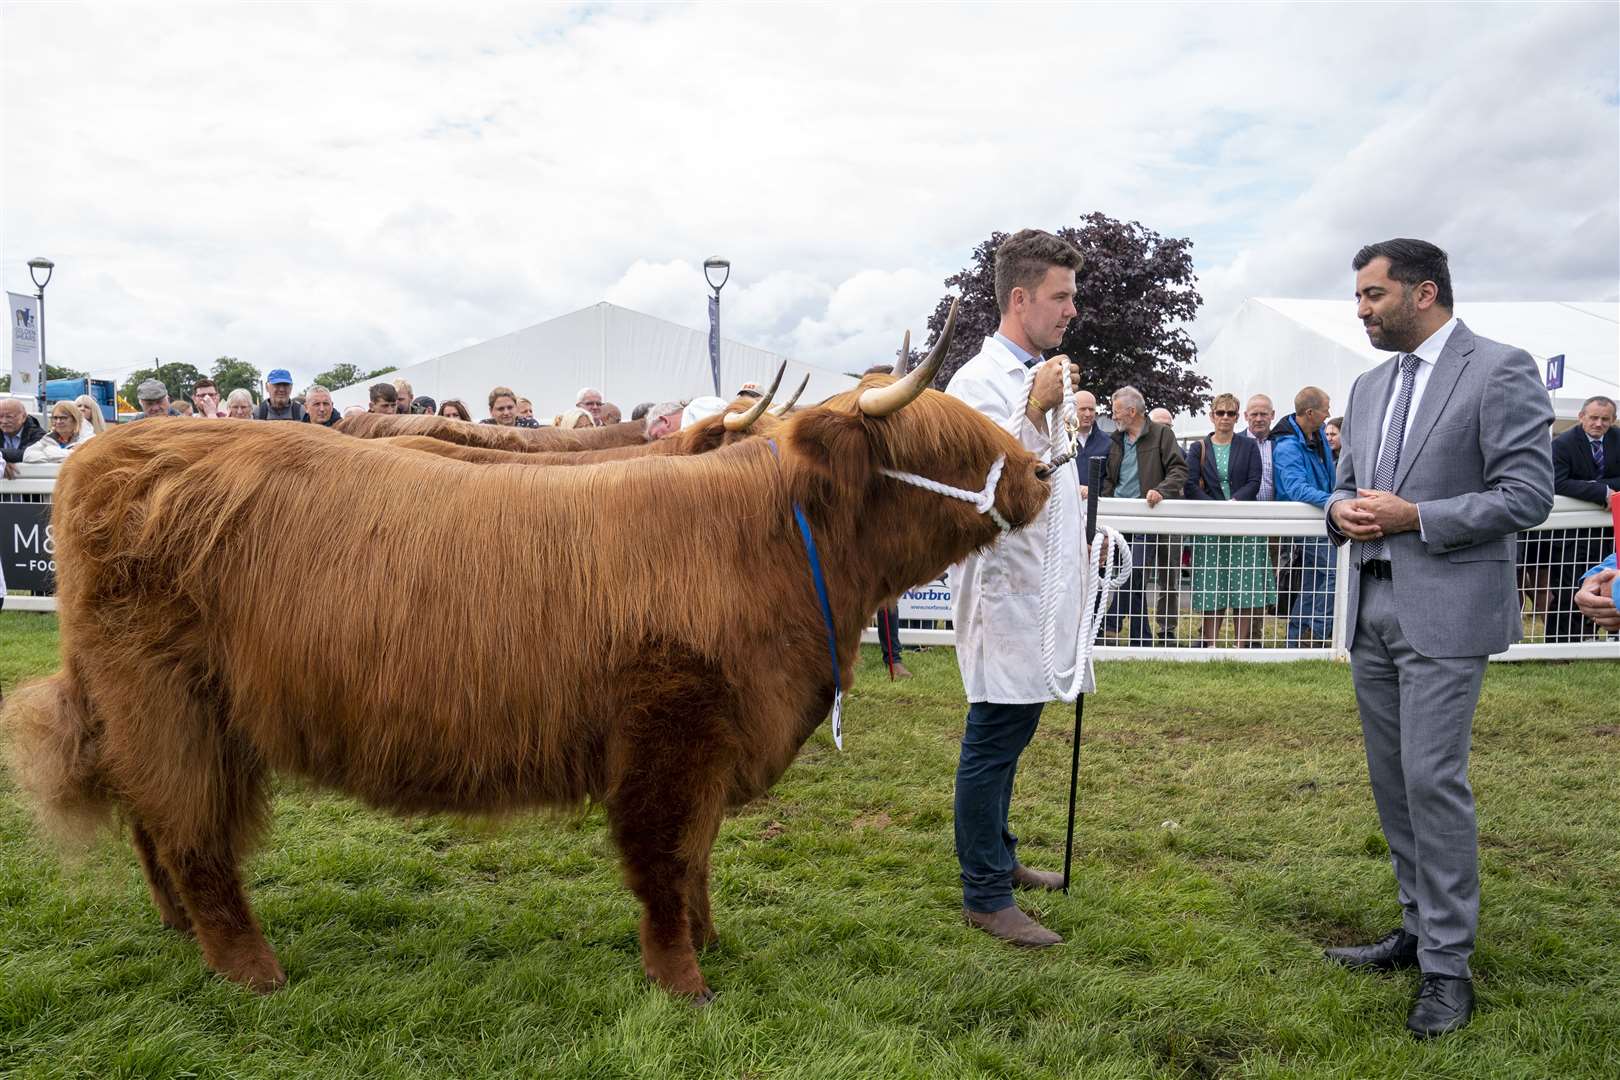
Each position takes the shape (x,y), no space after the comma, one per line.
(1137,289)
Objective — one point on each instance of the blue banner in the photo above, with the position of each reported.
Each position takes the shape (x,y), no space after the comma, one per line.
(1555,371)
(714,340)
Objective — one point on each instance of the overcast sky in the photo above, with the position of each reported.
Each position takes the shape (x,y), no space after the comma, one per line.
(303,184)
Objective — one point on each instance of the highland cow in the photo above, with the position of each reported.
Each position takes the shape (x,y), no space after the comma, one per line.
(681,694)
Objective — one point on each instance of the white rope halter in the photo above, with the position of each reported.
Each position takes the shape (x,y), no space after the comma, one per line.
(983,500)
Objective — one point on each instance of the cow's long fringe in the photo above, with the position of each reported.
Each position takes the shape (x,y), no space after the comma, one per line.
(51,746)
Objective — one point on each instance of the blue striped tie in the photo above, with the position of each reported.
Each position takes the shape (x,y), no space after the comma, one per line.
(1390,456)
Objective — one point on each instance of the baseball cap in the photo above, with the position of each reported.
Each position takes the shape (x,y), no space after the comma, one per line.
(279,375)
(750,389)
(701,408)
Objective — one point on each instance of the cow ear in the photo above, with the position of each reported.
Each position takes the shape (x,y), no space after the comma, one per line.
(832,456)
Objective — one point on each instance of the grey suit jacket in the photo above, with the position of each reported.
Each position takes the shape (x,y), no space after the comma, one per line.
(1478,463)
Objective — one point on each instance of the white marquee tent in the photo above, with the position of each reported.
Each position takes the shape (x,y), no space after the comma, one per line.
(629,356)
(1276,346)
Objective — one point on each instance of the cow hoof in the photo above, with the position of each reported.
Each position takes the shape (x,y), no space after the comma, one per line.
(698,1001)
(260,973)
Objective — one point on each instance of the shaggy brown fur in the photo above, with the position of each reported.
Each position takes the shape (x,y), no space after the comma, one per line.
(493,436)
(699,671)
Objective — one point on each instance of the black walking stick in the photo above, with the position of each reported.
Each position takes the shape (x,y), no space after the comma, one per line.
(1093,492)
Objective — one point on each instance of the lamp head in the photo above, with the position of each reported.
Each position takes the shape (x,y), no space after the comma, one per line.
(37,264)
(713,265)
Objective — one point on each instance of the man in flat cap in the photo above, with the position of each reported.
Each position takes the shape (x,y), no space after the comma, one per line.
(153,398)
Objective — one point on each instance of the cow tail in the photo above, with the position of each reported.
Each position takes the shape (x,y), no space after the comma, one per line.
(52,747)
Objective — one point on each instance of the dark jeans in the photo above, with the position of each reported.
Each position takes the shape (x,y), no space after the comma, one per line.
(985,846)
(888,628)
(1570,556)
(1130,606)
(1313,607)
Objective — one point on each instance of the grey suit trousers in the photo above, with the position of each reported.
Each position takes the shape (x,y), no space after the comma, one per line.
(1417,715)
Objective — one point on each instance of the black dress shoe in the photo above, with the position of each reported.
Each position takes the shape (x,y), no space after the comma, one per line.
(1444,1003)
(1392,952)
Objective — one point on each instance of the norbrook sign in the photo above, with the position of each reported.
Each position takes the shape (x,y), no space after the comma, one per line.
(930,601)
(27,548)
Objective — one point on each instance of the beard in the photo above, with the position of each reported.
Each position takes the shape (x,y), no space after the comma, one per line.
(1394,331)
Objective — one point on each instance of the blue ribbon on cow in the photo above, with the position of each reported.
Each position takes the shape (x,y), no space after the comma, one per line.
(826,610)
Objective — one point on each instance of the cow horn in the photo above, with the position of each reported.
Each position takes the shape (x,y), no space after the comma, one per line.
(781,410)
(902,365)
(744,420)
(883,400)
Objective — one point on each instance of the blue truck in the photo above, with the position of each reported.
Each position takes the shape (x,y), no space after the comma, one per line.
(103,391)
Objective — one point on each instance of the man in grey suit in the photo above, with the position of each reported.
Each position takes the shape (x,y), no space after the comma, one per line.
(1446,457)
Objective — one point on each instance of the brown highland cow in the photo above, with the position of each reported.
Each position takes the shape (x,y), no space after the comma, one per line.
(493,436)
(679,695)
(743,417)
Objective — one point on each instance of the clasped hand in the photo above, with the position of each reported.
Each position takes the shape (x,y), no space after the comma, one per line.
(1596,599)
(1372,514)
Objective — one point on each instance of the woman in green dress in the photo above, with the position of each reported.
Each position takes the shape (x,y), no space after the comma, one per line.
(1230,573)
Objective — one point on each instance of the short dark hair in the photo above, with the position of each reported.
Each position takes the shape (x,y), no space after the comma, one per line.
(640,410)
(1411,262)
(383,391)
(1023,259)
(1597,399)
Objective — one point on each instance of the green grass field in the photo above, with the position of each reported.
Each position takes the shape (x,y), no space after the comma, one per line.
(1226,833)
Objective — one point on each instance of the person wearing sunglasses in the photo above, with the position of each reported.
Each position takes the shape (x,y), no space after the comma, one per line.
(1230,573)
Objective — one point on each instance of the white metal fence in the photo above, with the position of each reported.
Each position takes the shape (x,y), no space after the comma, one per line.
(1265,573)
(1256,580)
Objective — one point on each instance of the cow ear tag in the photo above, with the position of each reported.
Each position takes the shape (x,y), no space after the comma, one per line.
(838,719)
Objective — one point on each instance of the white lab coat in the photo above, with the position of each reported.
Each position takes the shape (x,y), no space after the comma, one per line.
(996,594)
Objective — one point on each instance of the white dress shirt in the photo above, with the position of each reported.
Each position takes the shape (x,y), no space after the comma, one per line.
(1428,354)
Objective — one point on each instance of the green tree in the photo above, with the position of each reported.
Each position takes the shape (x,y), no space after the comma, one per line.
(179,378)
(1137,291)
(342,375)
(51,372)
(232,374)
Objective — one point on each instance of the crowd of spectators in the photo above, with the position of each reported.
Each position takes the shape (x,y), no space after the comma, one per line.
(1258,456)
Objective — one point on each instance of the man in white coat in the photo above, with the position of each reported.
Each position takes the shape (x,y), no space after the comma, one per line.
(996,593)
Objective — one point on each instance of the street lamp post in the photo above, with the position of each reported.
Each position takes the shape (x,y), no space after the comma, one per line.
(34,267)
(713,265)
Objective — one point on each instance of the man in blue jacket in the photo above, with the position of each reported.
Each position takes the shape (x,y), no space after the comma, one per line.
(1303,471)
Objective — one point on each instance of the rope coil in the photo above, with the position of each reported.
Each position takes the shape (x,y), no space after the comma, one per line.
(1107,566)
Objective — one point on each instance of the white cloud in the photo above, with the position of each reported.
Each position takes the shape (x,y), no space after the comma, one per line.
(302,184)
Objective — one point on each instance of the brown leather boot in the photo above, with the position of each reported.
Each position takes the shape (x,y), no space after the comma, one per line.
(1026,878)
(1012,926)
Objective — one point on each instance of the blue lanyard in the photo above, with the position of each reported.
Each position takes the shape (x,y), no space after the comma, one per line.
(821,591)
(826,609)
